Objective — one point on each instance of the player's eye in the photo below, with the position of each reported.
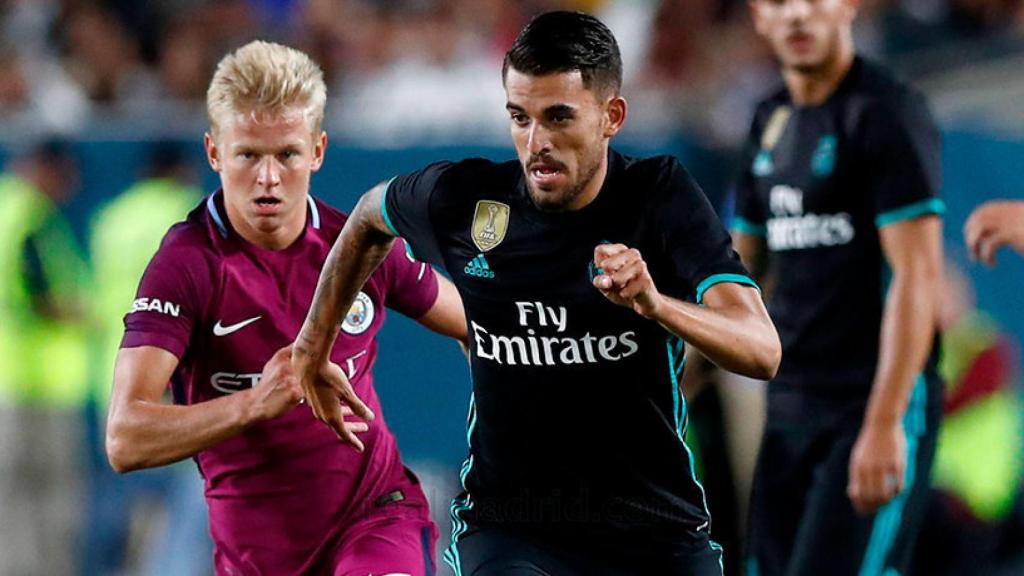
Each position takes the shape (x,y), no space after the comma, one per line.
(287,154)
(246,155)
(561,119)
(519,118)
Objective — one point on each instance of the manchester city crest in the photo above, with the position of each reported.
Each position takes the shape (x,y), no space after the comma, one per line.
(359,316)
(490,222)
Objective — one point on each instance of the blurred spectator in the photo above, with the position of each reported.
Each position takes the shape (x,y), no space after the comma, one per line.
(43,383)
(125,233)
(699,66)
(102,57)
(975,522)
(36,96)
(184,63)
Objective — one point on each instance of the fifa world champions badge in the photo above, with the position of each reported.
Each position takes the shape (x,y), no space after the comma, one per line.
(490,222)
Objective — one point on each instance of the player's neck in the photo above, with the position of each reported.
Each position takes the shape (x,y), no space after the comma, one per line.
(813,87)
(593,187)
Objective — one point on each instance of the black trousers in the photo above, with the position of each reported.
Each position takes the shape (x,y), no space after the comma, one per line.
(802,522)
(503,551)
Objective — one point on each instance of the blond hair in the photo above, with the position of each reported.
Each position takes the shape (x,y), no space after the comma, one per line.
(266,78)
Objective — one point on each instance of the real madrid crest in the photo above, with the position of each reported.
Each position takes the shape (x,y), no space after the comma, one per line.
(359,316)
(490,222)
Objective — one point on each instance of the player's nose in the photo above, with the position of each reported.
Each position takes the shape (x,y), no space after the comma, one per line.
(796,9)
(269,173)
(539,139)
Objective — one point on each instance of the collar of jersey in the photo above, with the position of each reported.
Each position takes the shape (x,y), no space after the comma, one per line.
(215,204)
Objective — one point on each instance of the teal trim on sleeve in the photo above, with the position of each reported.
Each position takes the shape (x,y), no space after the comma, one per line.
(718,279)
(922,208)
(384,207)
(745,226)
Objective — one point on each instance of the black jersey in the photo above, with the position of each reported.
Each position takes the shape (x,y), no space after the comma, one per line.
(576,414)
(818,184)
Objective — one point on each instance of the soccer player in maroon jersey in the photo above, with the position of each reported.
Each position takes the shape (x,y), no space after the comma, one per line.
(215,314)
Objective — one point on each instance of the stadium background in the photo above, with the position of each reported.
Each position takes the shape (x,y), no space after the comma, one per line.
(410,82)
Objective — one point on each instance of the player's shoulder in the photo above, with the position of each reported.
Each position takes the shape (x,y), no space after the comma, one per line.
(479,173)
(879,96)
(326,218)
(658,174)
(658,185)
(776,98)
(188,243)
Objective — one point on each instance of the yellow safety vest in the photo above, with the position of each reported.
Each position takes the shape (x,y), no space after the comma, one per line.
(125,233)
(46,357)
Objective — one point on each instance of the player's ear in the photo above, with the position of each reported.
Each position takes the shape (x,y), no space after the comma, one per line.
(615,116)
(852,7)
(755,15)
(319,149)
(212,153)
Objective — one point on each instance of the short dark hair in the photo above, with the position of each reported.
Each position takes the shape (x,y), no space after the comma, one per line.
(561,41)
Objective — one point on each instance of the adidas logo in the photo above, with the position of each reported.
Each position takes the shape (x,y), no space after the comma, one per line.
(478,267)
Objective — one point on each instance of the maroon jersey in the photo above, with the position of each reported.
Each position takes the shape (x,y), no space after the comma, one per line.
(281,492)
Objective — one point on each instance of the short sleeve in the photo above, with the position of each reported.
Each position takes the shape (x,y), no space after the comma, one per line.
(697,244)
(748,216)
(905,168)
(166,305)
(406,208)
(411,284)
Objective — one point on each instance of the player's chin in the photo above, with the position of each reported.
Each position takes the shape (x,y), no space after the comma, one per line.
(550,201)
(550,197)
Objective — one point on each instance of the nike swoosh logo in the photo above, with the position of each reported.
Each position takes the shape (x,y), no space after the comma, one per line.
(219,330)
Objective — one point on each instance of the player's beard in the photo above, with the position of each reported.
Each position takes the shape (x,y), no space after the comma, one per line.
(547,202)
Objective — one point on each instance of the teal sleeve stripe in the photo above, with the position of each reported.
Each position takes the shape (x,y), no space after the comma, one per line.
(745,226)
(929,206)
(384,207)
(718,279)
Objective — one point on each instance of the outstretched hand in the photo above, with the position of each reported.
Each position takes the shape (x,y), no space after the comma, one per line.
(625,280)
(331,397)
(993,225)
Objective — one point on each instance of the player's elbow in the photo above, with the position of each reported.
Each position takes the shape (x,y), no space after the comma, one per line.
(767,354)
(769,360)
(120,455)
(367,219)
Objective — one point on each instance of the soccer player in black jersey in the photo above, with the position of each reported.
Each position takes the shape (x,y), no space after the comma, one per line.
(583,272)
(840,192)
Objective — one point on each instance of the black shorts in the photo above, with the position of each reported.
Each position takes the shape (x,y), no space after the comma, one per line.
(505,551)
(801,520)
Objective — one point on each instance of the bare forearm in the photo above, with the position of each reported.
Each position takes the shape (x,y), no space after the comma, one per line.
(360,248)
(732,337)
(144,434)
(908,330)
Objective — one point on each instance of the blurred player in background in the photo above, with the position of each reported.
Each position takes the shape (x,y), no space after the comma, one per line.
(43,383)
(583,272)
(993,225)
(214,315)
(124,234)
(840,192)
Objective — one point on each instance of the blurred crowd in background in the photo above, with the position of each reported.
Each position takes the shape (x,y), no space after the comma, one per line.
(416,69)
(102,111)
